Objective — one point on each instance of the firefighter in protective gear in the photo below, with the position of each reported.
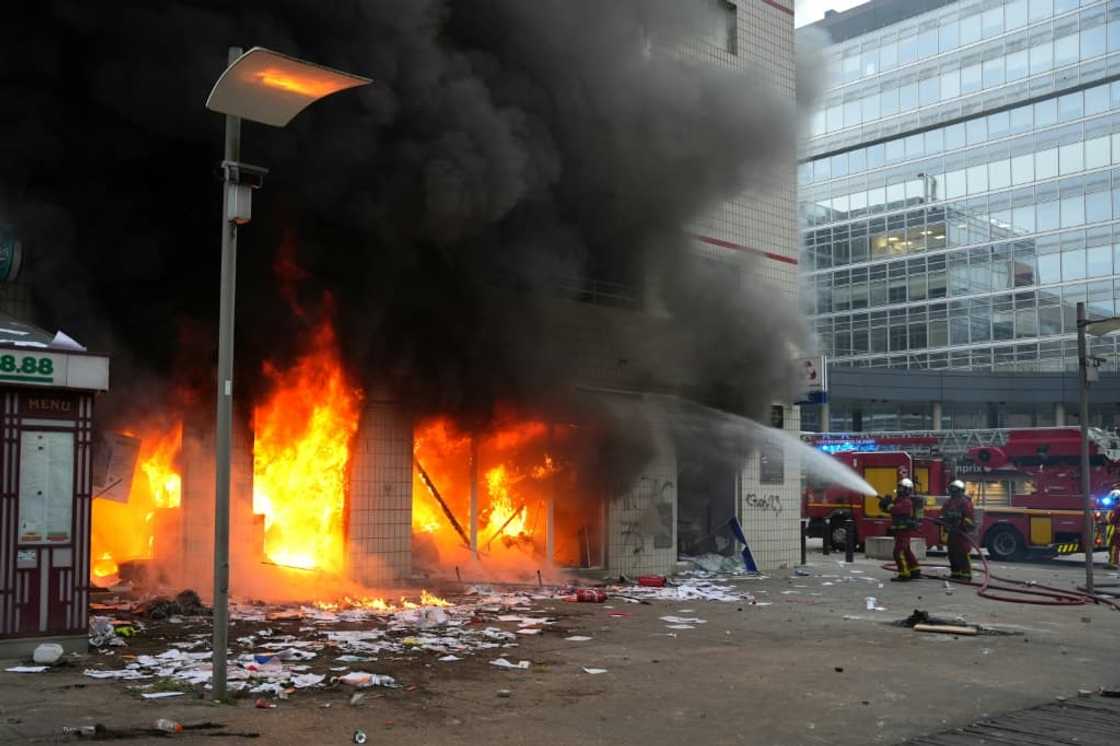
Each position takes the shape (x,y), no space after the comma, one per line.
(958,518)
(903,526)
(1114,529)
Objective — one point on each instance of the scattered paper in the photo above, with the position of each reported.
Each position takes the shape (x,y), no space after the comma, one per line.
(682,620)
(679,626)
(594,670)
(503,663)
(449,658)
(577,638)
(161,695)
(27,669)
(529,631)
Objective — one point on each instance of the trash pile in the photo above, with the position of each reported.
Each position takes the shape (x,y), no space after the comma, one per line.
(715,564)
(687,589)
(301,647)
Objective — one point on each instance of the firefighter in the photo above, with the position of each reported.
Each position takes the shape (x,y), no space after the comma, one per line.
(1114,527)
(958,519)
(903,526)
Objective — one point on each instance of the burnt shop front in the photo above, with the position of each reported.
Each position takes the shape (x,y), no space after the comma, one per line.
(47,397)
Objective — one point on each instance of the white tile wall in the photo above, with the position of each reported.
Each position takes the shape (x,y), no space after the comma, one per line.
(764,219)
(648,510)
(380,500)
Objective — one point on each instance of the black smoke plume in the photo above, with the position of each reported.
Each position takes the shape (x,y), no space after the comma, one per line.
(508,153)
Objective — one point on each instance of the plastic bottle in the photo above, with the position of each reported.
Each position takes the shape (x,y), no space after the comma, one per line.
(168,726)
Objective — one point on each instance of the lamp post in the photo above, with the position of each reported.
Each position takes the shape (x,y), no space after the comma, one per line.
(270,88)
(1086,375)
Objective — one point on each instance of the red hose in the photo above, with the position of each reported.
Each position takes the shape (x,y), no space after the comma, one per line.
(1042,595)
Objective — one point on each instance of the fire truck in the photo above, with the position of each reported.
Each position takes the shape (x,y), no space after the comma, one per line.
(1025,484)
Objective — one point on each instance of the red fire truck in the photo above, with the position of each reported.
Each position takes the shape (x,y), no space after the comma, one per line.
(1025,484)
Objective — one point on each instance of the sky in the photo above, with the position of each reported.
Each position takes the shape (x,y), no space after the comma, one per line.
(808,11)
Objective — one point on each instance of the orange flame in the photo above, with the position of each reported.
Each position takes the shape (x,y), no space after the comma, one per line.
(301,453)
(125,531)
(512,491)
(380,604)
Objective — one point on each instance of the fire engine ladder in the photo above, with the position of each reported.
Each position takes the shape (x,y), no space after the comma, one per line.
(949,442)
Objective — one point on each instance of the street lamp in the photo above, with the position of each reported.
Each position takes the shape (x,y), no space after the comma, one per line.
(1086,375)
(270,88)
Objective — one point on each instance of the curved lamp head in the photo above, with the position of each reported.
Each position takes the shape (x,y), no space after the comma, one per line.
(271,88)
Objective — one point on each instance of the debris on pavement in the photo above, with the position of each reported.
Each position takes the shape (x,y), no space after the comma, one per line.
(365,680)
(594,670)
(503,663)
(946,629)
(47,653)
(27,669)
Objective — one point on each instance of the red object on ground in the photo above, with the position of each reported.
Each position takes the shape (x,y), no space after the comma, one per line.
(590,595)
(264,704)
(652,581)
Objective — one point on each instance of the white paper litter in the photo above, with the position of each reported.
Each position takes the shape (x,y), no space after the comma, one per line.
(304,680)
(503,663)
(449,658)
(577,638)
(594,670)
(679,626)
(27,669)
(162,695)
(682,620)
(529,631)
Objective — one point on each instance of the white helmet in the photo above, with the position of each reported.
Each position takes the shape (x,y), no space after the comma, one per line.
(956,484)
(906,482)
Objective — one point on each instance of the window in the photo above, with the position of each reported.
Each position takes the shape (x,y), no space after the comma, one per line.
(1018,65)
(888,101)
(1046,113)
(1100,261)
(1096,100)
(1022,169)
(935,141)
(977,130)
(971,78)
(907,49)
(908,97)
(950,36)
(993,72)
(1046,163)
(929,90)
(954,137)
(46,487)
(857,160)
(1093,41)
(888,56)
(1040,9)
(992,22)
(1042,57)
(1097,152)
(950,84)
(869,107)
(1072,158)
(1015,14)
(970,29)
(1022,119)
(927,43)
(771,465)
(1071,106)
(1073,265)
(852,113)
(1065,49)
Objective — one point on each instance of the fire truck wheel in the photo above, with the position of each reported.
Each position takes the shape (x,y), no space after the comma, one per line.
(839,534)
(1004,543)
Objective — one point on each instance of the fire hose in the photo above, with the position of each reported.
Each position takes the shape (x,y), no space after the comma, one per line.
(1039,595)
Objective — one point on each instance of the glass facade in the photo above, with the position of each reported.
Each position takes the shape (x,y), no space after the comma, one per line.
(960,191)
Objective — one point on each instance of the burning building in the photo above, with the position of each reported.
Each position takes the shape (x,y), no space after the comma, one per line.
(546,232)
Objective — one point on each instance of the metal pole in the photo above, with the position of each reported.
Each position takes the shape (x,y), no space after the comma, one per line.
(224,423)
(849,540)
(1086,487)
(550,518)
(804,530)
(474,496)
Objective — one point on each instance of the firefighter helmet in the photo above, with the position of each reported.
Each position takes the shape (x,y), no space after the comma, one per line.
(956,487)
(905,486)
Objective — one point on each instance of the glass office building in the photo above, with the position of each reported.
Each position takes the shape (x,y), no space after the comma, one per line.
(960,186)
